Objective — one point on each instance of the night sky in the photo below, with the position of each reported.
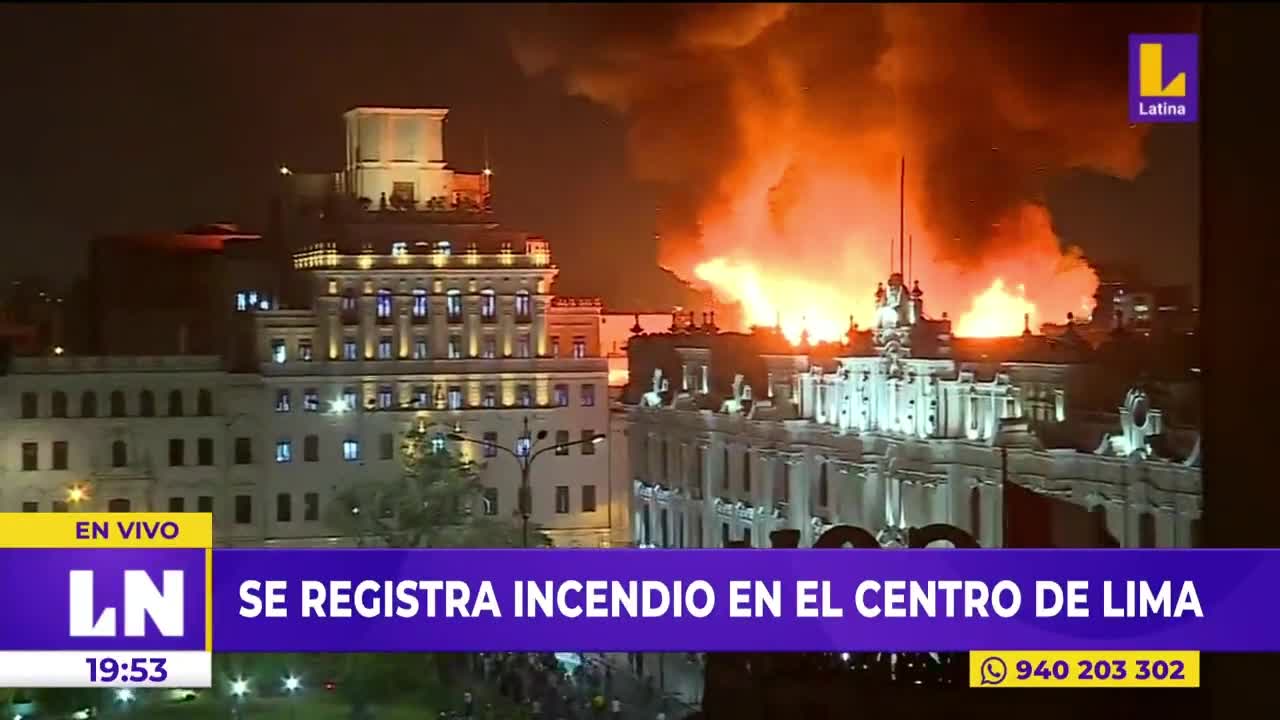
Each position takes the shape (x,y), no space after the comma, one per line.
(153,118)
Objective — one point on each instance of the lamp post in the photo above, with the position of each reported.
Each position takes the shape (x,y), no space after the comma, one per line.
(524,455)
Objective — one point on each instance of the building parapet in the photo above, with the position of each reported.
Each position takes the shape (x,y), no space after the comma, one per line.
(443,368)
(116,363)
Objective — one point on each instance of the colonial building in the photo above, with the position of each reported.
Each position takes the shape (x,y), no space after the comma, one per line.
(905,434)
(417,312)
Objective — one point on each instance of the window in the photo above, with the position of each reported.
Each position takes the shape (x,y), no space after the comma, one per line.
(562,442)
(204,451)
(455,398)
(489,396)
(311,507)
(176,504)
(438,446)
(824,486)
(724,534)
(282,400)
(562,499)
(522,445)
(118,505)
(488,306)
(119,454)
(242,302)
(177,452)
(401,194)
(1147,530)
(444,248)
(746,536)
(453,306)
(304,350)
(524,307)
(782,482)
(746,470)
(349,351)
(175,403)
(350,401)
(490,501)
(386,446)
(524,396)
(522,346)
(588,442)
(385,397)
(561,395)
(29,404)
(204,504)
(724,477)
(588,398)
(88,404)
(383,306)
(419,348)
(419,307)
(279,353)
(421,396)
(348,302)
(60,506)
(555,346)
(351,450)
(30,456)
(384,348)
(204,403)
(244,509)
(588,498)
(579,347)
(491,444)
(147,404)
(311,448)
(664,527)
(59,454)
(310,400)
(58,407)
(30,507)
(489,347)
(244,451)
(284,451)
(284,507)
(455,347)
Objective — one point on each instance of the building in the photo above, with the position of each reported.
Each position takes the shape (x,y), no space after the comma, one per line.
(901,428)
(398,317)
(616,329)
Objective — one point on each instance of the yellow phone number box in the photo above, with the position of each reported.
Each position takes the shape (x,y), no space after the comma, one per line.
(1083,669)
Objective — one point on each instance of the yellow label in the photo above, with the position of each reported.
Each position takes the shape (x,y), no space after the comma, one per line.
(106,530)
(1081,669)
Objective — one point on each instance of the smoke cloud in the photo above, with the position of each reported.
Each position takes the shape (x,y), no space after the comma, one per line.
(778,130)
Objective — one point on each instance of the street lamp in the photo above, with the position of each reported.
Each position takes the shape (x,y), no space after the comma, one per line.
(291,686)
(524,456)
(239,687)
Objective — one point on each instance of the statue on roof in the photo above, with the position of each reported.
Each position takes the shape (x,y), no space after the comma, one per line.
(893,307)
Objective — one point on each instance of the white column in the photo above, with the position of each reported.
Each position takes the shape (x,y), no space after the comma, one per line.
(798,490)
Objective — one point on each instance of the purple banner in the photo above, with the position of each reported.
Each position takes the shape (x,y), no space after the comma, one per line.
(71,599)
(1192,600)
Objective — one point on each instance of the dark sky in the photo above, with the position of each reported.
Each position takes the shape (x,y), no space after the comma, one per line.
(154,117)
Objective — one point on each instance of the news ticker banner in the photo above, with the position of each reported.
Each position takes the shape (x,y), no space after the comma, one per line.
(130,599)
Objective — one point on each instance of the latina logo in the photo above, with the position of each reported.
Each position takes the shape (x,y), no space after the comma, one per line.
(1164,78)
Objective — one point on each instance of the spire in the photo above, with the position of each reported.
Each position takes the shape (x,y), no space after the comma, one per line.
(636,329)
(711,327)
(675,321)
(1026,324)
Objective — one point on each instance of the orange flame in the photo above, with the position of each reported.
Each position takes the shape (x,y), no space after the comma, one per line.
(996,312)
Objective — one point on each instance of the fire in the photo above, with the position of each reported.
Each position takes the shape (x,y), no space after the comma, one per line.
(791,302)
(996,312)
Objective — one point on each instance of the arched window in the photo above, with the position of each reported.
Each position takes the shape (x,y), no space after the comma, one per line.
(204,403)
(117,403)
(453,306)
(147,404)
(88,404)
(119,454)
(175,403)
(118,505)
(488,306)
(524,306)
(59,406)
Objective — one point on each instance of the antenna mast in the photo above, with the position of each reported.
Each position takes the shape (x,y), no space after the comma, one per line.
(911,257)
(902,211)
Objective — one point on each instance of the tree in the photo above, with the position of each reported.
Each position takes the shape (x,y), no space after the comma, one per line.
(436,501)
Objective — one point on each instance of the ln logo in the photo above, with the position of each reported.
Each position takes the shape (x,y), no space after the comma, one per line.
(142,600)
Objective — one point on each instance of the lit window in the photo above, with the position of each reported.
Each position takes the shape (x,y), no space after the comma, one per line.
(278,352)
(555,346)
(455,347)
(489,397)
(438,444)
(282,401)
(524,396)
(242,302)
(284,451)
(304,350)
(399,248)
(588,395)
(561,395)
(443,248)
(455,398)
(348,302)
(310,400)
(253,298)
(453,306)
(489,348)
(522,446)
(349,399)
(491,444)
(351,450)
(488,306)
(384,304)
(522,346)
(421,396)
(349,351)
(420,348)
(562,442)
(264,303)
(384,397)
(384,348)
(419,303)
(579,347)
(524,306)
(333,287)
